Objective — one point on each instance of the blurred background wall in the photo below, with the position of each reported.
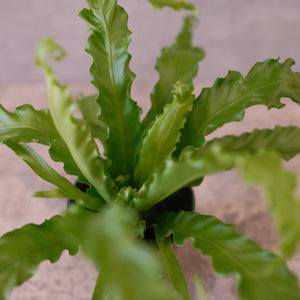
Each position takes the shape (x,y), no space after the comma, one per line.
(234,33)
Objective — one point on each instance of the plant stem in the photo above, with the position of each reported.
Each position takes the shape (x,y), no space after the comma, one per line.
(173,267)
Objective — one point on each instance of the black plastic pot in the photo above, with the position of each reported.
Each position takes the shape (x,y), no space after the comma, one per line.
(83,187)
(181,200)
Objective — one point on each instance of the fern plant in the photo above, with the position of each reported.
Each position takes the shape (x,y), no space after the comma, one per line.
(147,161)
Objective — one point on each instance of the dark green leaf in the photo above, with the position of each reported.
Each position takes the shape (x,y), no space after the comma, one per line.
(107,45)
(284,140)
(22,250)
(179,62)
(26,125)
(90,111)
(260,275)
(160,138)
(43,170)
(266,83)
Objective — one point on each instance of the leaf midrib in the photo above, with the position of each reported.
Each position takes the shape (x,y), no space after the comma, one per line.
(39,249)
(214,244)
(234,101)
(120,119)
(222,249)
(255,277)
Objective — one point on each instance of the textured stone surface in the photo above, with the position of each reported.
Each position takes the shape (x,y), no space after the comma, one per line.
(223,195)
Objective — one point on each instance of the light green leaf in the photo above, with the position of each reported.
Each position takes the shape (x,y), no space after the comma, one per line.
(173,268)
(99,291)
(107,45)
(78,139)
(284,140)
(260,275)
(129,268)
(56,193)
(175,4)
(90,111)
(43,170)
(200,288)
(173,174)
(26,125)
(178,62)
(160,138)
(266,83)
(73,131)
(22,250)
(48,48)
(264,169)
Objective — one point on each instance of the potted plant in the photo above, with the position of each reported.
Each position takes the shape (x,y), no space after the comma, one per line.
(139,189)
